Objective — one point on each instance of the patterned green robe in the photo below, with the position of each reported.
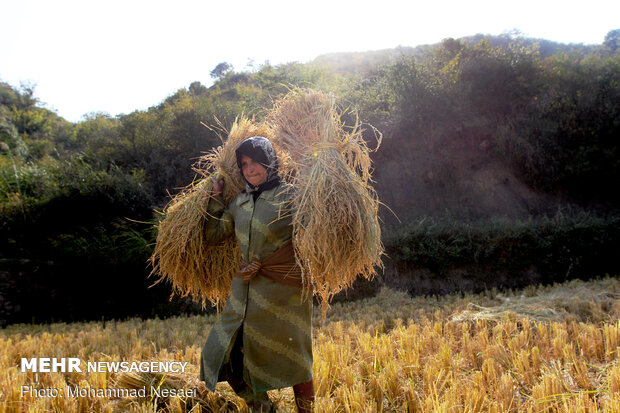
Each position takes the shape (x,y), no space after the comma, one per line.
(276,323)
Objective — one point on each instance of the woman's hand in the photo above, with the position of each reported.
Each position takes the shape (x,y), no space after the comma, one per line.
(218,187)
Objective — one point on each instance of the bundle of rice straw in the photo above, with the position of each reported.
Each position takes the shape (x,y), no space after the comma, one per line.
(182,255)
(336,231)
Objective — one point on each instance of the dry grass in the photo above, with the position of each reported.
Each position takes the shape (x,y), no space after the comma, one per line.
(336,231)
(389,353)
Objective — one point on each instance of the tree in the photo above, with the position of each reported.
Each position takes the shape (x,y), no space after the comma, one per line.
(221,70)
(196,88)
(612,40)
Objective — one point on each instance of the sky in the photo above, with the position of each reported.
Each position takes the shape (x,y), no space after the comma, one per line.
(119,56)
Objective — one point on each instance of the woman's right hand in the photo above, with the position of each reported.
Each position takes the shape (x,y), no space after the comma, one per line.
(218,187)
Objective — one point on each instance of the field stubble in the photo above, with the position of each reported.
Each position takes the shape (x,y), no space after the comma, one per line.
(543,349)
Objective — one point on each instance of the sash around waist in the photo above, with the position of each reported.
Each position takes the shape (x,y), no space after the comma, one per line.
(279,266)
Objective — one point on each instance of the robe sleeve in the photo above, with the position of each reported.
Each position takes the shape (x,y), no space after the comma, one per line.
(221,222)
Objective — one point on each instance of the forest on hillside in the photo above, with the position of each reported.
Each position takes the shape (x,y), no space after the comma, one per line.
(499,167)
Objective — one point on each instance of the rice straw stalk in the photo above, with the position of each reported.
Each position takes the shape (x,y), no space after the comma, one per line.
(336,231)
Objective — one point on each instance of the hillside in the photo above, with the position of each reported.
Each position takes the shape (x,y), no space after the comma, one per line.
(450,161)
(498,167)
(363,62)
(432,176)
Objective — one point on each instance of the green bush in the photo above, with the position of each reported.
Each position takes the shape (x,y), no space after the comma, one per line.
(74,243)
(565,246)
(31,190)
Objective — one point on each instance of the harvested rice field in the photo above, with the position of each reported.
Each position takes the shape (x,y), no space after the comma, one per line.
(541,349)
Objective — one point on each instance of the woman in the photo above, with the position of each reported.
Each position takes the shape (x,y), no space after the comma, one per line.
(262,340)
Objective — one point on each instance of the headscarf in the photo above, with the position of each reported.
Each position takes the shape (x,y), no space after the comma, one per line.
(260,150)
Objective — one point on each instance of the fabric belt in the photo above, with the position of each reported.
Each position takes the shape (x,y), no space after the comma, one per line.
(279,266)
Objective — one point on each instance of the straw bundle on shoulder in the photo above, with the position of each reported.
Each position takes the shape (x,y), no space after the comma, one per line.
(183,255)
(336,230)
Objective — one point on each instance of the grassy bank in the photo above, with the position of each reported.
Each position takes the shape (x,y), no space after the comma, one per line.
(438,256)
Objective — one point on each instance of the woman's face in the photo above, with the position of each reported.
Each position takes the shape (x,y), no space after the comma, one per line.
(254,172)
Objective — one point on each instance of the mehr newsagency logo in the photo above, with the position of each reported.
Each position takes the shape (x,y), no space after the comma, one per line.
(75,365)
